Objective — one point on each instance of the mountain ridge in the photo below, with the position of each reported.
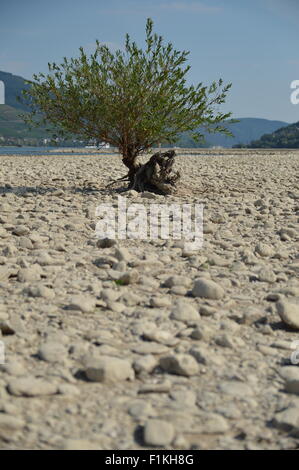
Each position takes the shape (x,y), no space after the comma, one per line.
(284,137)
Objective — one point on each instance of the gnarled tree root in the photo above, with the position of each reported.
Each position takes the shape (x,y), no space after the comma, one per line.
(157,174)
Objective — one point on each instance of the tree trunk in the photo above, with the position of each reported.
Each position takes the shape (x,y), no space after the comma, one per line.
(133,166)
(157,174)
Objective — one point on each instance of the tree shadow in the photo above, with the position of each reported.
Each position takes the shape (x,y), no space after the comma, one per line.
(20,190)
(44,190)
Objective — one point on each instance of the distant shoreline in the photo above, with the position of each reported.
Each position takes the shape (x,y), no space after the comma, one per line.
(78,151)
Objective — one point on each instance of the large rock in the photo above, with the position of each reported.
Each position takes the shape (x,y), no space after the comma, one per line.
(288,420)
(31,387)
(84,303)
(108,369)
(185,312)
(52,352)
(177,281)
(33,273)
(207,289)
(158,433)
(10,423)
(289,313)
(291,377)
(180,364)
(264,250)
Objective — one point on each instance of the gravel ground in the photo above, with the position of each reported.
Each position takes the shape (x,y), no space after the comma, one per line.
(146,344)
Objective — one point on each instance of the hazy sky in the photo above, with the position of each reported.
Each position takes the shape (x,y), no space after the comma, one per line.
(252,43)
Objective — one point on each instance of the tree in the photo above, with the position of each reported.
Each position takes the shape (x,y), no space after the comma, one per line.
(132,99)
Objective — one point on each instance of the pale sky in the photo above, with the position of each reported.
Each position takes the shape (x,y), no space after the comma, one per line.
(252,43)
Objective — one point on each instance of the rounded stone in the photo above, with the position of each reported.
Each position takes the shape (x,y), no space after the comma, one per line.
(158,433)
(289,313)
(207,289)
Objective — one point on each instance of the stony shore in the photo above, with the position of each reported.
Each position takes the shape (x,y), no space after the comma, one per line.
(145,344)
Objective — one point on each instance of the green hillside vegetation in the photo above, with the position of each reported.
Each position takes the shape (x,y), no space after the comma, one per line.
(12,125)
(285,137)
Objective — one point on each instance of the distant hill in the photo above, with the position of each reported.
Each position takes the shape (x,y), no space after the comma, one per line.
(11,126)
(285,137)
(13,87)
(244,131)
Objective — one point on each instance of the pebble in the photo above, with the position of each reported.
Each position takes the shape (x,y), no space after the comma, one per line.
(85,304)
(181,364)
(68,389)
(52,352)
(289,313)
(105,243)
(30,274)
(267,275)
(31,387)
(79,444)
(108,369)
(150,348)
(163,337)
(185,312)
(141,409)
(123,254)
(288,420)
(160,302)
(145,363)
(13,367)
(207,289)
(10,423)
(214,424)
(291,377)
(110,295)
(129,277)
(158,433)
(237,389)
(163,387)
(20,230)
(264,250)
(40,291)
(177,281)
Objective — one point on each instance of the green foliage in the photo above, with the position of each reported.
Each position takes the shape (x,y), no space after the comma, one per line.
(132,99)
(285,137)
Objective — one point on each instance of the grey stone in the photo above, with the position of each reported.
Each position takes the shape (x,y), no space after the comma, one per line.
(158,433)
(84,303)
(207,289)
(289,313)
(31,387)
(108,369)
(180,364)
(185,312)
(52,352)
(237,389)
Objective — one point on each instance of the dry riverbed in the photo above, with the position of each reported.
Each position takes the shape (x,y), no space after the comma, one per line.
(144,344)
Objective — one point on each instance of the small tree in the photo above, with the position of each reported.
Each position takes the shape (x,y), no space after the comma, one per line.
(132,99)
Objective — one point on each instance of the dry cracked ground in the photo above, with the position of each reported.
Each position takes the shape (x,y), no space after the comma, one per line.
(130,344)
